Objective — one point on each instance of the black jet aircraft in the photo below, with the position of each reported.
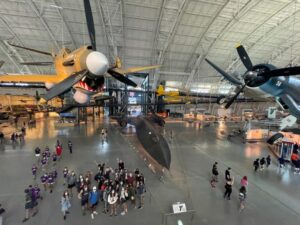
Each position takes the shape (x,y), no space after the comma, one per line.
(148,131)
(267,80)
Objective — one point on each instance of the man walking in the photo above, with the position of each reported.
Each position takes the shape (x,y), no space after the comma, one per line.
(70,147)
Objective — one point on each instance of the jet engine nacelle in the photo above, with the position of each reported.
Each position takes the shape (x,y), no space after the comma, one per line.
(80,97)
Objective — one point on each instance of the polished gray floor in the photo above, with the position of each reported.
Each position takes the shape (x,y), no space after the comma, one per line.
(273,196)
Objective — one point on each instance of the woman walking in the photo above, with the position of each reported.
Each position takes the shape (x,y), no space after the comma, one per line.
(65,204)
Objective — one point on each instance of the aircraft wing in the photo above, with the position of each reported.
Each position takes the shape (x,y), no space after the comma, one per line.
(136,69)
(30,78)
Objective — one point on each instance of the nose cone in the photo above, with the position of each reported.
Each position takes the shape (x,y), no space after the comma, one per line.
(97,63)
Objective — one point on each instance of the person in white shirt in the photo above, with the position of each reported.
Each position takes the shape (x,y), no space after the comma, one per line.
(123,199)
(112,201)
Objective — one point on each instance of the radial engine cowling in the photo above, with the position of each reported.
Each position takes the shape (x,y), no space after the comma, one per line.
(80,97)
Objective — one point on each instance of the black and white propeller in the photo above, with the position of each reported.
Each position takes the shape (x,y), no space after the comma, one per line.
(96,63)
(91,29)
(255,75)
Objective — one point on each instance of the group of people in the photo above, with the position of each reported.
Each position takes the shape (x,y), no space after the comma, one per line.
(108,188)
(18,135)
(229,181)
(261,163)
(115,188)
(46,164)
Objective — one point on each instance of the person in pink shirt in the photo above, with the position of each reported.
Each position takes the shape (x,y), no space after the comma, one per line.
(244,182)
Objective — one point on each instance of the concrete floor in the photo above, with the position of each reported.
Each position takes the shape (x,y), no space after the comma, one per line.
(273,195)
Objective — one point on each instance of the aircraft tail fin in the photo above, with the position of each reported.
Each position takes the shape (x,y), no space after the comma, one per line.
(160,90)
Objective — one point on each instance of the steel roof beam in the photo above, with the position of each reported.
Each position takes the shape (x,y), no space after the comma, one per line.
(169,40)
(65,24)
(6,52)
(19,40)
(273,31)
(36,11)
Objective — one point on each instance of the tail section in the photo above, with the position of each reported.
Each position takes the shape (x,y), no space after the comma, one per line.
(160,90)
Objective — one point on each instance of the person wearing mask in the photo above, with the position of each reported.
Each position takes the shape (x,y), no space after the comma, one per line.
(84,197)
(65,204)
(71,182)
(112,201)
(228,188)
(227,174)
(93,199)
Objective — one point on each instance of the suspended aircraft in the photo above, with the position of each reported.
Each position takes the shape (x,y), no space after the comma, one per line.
(82,69)
(267,81)
(182,96)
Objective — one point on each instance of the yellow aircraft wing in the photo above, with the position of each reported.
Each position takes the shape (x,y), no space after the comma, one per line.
(31,78)
(135,69)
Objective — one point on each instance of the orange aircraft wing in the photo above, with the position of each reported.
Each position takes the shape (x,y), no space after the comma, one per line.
(136,69)
(31,78)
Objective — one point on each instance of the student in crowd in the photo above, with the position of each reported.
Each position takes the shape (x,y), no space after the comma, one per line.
(29,205)
(93,200)
(34,171)
(71,181)
(84,197)
(112,201)
(65,204)
(141,193)
(123,199)
(65,173)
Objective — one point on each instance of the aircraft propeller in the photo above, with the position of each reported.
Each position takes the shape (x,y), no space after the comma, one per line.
(255,75)
(91,28)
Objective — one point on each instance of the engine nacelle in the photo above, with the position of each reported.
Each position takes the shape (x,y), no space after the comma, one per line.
(49,85)
(80,97)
